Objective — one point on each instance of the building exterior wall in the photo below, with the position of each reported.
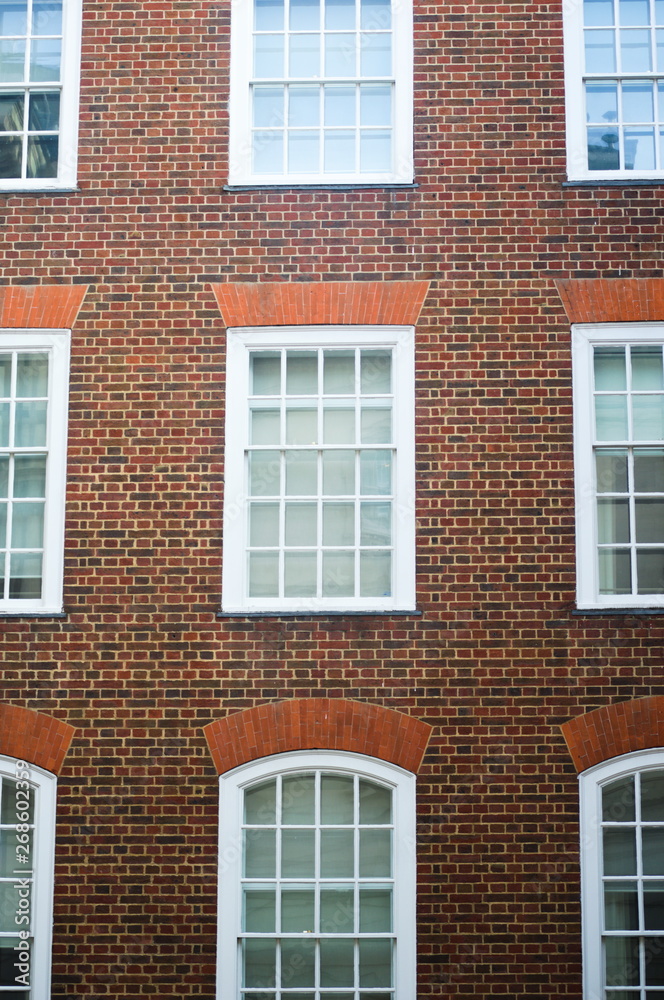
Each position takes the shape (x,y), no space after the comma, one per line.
(496,657)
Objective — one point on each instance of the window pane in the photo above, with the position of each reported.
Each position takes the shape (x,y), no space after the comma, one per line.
(654,961)
(375,962)
(268,56)
(3,541)
(376,56)
(301,473)
(635,51)
(297,910)
(263,574)
(375,910)
(375,472)
(303,152)
(337,910)
(338,524)
(44,113)
(618,801)
(13,17)
(339,14)
(622,961)
(652,796)
(265,427)
(264,524)
(338,574)
(598,12)
(633,12)
(304,14)
(653,851)
(649,520)
(338,366)
(610,370)
(29,476)
(259,911)
(12,61)
(621,906)
(603,150)
(10,794)
(376,372)
(25,576)
(298,799)
(337,799)
(375,14)
(31,375)
(42,156)
(5,375)
(268,152)
(47,17)
(639,148)
(259,803)
(338,426)
(340,110)
(269,111)
(648,470)
(340,54)
(647,372)
(375,855)
(375,803)
(298,963)
(648,416)
(338,473)
(600,49)
(611,471)
(45,60)
(264,473)
(4,422)
(260,853)
(303,106)
(638,103)
(337,854)
(619,852)
(301,523)
(376,426)
(375,574)
(301,426)
(269,15)
(297,854)
(4,476)
(650,571)
(602,102)
(304,56)
(337,967)
(302,373)
(375,105)
(613,521)
(339,152)
(11,112)
(611,418)
(300,574)
(615,572)
(259,962)
(266,374)
(653,906)
(28,525)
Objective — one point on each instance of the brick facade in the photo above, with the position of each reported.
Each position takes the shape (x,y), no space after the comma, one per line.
(491,256)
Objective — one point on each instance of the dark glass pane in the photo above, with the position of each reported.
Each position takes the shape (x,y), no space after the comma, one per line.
(13,804)
(618,801)
(654,953)
(11,112)
(649,470)
(44,115)
(653,906)
(260,804)
(622,961)
(653,850)
(650,571)
(43,156)
(10,157)
(652,796)
(621,908)
(620,852)
(7,969)
(259,962)
(611,471)
(298,958)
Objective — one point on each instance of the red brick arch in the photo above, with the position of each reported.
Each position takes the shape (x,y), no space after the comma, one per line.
(613,300)
(317,724)
(316,303)
(35,738)
(40,307)
(614,730)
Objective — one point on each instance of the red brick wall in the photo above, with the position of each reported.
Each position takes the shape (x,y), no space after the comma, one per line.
(495,661)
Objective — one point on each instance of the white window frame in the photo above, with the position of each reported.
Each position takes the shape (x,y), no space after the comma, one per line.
(240,342)
(590,792)
(240,107)
(57,344)
(68,86)
(231,787)
(584,338)
(575,77)
(43,786)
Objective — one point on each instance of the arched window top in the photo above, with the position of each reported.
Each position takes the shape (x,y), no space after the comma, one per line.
(317,876)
